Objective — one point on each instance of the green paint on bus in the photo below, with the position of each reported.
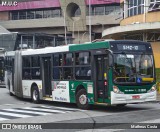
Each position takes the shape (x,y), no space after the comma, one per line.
(89,46)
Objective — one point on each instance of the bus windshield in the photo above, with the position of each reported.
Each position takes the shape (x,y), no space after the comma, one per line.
(133,68)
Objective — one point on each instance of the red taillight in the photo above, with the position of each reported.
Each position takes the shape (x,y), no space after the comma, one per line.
(105,83)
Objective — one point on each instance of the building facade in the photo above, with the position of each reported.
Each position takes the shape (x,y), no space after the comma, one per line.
(140,21)
(62,17)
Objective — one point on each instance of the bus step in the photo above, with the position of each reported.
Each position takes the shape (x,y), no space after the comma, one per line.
(48,98)
(97,103)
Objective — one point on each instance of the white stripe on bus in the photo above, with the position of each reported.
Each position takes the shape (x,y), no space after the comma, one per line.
(25,111)
(14,115)
(45,110)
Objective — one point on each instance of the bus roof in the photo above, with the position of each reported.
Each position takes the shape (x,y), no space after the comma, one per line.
(70,47)
(89,46)
(76,47)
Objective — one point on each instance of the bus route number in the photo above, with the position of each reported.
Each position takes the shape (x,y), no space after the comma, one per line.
(129,47)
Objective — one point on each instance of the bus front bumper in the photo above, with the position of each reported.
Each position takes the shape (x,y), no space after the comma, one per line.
(128,98)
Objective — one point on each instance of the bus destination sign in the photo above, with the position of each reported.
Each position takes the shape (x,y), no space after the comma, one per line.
(131,47)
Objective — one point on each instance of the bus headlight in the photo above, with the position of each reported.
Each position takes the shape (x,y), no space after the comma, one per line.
(116,90)
(152,89)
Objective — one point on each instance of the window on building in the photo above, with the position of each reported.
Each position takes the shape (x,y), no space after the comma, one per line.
(154,5)
(104,10)
(47,14)
(30,14)
(22,15)
(35,14)
(77,12)
(39,14)
(14,15)
(135,7)
(56,13)
(99,10)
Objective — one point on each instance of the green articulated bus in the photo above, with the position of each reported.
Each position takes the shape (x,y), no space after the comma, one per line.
(105,73)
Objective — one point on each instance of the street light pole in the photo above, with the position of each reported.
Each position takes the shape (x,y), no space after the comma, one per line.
(73,29)
(65,30)
(90,34)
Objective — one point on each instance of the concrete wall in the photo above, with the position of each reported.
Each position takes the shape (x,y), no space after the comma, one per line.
(70,21)
(148,17)
(33,23)
(4,16)
(59,22)
(51,30)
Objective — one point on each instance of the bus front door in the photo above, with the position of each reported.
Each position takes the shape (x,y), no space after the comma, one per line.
(46,76)
(101,76)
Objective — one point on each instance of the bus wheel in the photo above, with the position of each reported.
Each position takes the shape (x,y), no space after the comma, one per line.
(10,93)
(35,95)
(82,99)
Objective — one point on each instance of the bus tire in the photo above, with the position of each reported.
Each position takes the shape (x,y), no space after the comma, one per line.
(35,95)
(82,99)
(10,93)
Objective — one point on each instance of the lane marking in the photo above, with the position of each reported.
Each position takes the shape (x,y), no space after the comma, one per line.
(45,110)
(3,119)
(25,111)
(135,111)
(72,109)
(15,115)
(14,104)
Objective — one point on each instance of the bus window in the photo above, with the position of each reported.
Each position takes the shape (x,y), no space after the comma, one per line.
(35,61)
(26,62)
(35,67)
(83,58)
(26,68)
(68,73)
(57,73)
(26,74)
(57,60)
(68,59)
(83,73)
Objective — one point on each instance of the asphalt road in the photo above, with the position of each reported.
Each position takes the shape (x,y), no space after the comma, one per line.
(100,118)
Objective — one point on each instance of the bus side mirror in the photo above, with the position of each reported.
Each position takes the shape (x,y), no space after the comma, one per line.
(110,60)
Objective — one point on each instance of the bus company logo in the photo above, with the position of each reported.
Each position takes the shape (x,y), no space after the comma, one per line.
(6,126)
(9,3)
(72,85)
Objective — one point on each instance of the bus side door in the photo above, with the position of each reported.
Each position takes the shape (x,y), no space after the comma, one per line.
(101,77)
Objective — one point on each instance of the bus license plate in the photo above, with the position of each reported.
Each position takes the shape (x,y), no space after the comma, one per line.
(135,97)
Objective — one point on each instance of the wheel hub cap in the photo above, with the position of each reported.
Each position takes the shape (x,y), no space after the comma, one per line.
(35,95)
(83,99)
